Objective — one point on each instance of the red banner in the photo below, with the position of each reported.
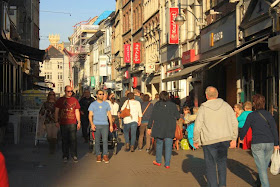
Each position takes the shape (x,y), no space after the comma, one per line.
(174,28)
(136,53)
(188,56)
(126,53)
(135,82)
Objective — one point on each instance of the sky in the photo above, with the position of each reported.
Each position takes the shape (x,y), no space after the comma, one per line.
(62,23)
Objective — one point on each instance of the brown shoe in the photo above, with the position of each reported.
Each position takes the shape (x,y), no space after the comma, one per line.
(127,147)
(106,159)
(132,149)
(98,158)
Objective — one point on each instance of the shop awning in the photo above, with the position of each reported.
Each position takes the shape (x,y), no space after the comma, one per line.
(155,80)
(184,73)
(238,50)
(24,51)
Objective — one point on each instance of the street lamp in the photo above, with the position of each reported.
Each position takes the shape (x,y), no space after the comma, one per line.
(180,19)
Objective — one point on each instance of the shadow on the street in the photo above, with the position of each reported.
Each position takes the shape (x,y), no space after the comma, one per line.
(242,171)
(250,153)
(196,167)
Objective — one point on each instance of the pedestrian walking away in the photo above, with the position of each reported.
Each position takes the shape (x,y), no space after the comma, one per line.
(264,137)
(147,109)
(215,128)
(114,109)
(99,113)
(131,122)
(67,111)
(48,110)
(163,125)
(84,103)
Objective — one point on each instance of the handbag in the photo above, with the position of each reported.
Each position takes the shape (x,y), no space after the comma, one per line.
(125,112)
(275,163)
(178,133)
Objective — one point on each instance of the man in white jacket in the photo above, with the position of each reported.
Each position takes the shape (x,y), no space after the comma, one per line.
(215,127)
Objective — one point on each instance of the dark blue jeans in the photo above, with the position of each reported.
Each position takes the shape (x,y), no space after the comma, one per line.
(85,124)
(101,130)
(216,155)
(69,139)
(168,150)
(133,127)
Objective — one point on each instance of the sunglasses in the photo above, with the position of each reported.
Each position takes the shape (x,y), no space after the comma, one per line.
(100,94)
(69,91)
(51,94)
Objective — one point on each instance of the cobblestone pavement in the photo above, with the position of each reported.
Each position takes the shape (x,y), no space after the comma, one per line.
(33,166)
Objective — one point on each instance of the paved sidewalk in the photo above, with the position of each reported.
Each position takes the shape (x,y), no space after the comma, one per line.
(33,166)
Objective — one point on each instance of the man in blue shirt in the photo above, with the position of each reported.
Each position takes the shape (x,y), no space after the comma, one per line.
(99,110)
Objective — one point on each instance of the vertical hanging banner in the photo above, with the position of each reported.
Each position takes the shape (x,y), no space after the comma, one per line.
(135,82)
(136,53)
(173,27)
(127,53)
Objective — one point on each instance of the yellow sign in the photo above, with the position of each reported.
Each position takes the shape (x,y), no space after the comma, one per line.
(212,39)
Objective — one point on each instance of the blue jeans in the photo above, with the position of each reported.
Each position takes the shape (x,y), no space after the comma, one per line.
(133,127)
(168,150)
(216,155)
(69,139)
(101,130)
(262,153)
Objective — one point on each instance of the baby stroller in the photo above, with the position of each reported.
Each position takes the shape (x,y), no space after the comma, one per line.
(112,140)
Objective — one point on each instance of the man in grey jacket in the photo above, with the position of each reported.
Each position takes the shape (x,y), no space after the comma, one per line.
(215,127)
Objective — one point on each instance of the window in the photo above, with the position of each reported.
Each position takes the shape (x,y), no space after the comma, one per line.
(59,76)
(48,75)
(59,65)
(48,65)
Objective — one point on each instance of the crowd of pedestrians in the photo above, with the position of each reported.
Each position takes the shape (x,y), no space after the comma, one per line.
(215,126)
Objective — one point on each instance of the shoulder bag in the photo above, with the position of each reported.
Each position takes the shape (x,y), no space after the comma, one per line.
(146,108)
(126,111)
(264,119)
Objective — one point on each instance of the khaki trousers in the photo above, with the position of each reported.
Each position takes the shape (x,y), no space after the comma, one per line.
(142,129)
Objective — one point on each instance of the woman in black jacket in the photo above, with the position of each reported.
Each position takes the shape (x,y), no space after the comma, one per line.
(163,124)
(264,138)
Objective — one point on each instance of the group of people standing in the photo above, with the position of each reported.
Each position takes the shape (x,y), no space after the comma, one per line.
(215,127)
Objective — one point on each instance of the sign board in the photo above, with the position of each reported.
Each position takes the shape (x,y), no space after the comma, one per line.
(126,53)
(136,53)
(92,82)
(103,66)
(150,67)
(188,56)
(118,87)
(174,28)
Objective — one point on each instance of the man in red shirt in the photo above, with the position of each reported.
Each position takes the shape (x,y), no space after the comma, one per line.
(67,116)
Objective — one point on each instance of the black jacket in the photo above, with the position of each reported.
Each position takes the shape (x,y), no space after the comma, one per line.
(148,112)
(84,103)
(163,120)
(261,131)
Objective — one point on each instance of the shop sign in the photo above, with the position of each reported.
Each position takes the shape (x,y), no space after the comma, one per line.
(174,28)
(150,67)
(136,53)
(126,75)
(127,53)
(92,82)
(188,56)
(220,34)
(103,66)
(215,37)
(135,81)
(118,87)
